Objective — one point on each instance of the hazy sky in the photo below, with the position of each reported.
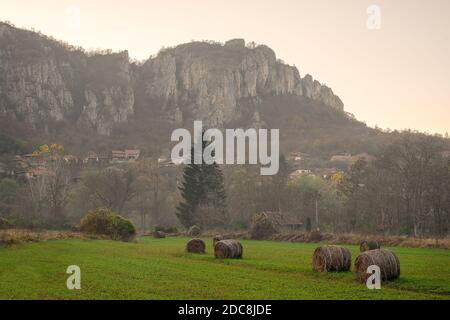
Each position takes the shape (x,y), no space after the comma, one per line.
(394,77)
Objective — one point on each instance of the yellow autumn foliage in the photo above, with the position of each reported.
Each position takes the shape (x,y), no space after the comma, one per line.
(49,150)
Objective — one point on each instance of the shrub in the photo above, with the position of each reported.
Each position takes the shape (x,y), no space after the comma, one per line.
(262,227)
(97,221)
(103,221)
(406,231)
(122,229)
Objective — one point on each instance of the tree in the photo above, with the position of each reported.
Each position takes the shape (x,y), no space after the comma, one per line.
(308,195)
(58,185)
(150,191)
(191,191)
(243,194)
(406,190)
(8,194)
(203,193)
(279,183)
(50,191)
(111,187)
(410,160)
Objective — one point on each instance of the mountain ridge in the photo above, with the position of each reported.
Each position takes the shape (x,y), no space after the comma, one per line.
(51,91)
(46,80)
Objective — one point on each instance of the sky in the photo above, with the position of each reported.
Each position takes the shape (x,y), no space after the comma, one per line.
(388,60)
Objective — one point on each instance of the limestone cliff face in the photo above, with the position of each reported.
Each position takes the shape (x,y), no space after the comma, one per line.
(37,90)
(108,94)
(43,82)
(30,87)
(106,107)
(208,80)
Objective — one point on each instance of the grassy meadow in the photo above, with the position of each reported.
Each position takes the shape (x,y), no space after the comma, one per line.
(161,269)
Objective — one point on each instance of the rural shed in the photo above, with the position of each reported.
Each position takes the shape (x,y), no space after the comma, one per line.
(284,220)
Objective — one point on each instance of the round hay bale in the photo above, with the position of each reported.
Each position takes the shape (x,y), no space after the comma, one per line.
(194,231)
(159,235)
(367,245)
(385,259)
(216,239)
(196,246)
(231,249)
(332,258)
(315,236)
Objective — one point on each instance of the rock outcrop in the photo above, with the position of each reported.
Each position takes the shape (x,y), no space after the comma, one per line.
(208,80)
(44,81)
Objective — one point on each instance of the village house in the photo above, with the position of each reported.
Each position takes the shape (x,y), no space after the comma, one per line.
(300,172)
(37,172)
(127,155)
(20,167)
(341,158)
(298,156)
(71,159)
(363,156)
(31,166)
(35,159)
(94,159)
(91,158)
(284,221)
(327,173)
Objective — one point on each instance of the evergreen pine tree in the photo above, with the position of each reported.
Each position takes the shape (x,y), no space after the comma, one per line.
(203,193)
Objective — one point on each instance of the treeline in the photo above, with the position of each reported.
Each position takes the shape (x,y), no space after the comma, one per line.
(31,36)
(63,192)
(406,190)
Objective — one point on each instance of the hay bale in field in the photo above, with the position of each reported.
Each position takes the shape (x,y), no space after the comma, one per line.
(315,236)
(217,238)
(196,246)
(332,258)
(367,245)
(385,259)
(159,234)
(231,249)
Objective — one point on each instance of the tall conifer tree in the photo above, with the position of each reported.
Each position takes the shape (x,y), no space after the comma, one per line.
(203,193)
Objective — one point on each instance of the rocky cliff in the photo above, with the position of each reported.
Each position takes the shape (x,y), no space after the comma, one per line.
(43,81)
(209,80)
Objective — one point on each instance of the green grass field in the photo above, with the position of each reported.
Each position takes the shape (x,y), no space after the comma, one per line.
(161,269)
